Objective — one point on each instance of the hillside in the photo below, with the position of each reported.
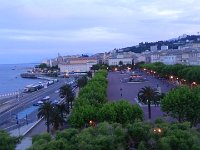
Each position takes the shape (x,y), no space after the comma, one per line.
(172,44)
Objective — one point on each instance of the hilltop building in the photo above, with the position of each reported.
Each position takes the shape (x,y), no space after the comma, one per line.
(124,58)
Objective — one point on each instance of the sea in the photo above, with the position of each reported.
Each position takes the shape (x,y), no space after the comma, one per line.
(10,79)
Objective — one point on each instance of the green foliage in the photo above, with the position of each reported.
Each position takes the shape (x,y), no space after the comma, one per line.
(179,140)
(121,112)
(67,134)
(127,113)
(82,81)
(108,113)
(45,136)
(139,131)
(102,137)
(189,73)
(138,135)
(90,99)
(66,91)
(6,141)
(82,115)
(45,110)
(183,104)
(42,66)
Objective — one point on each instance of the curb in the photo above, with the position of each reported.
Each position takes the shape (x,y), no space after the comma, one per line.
(32,126)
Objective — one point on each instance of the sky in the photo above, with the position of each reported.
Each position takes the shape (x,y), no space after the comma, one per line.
(34,30)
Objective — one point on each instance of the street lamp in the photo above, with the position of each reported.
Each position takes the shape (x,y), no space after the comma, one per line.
(157,130)
(91,123)
(193,84)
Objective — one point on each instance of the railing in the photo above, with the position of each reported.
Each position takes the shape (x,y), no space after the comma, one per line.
(9,94)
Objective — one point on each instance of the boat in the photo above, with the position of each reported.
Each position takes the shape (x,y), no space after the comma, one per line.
(28,75)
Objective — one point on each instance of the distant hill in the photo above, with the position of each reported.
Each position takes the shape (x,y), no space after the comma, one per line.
(172,43)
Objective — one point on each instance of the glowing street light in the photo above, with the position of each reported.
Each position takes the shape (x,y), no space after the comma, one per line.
(194,84)
(171,77)
(91,123)
(157,130)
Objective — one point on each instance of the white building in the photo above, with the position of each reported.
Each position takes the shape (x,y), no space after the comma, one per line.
(155,57)
(168,59)
(164,47)
(77,65)
(189,56)
(120,58)
(153,48)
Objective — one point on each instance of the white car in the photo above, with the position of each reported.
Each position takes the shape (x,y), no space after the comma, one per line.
(46,98)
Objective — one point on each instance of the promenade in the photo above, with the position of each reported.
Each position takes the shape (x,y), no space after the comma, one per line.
(130,90)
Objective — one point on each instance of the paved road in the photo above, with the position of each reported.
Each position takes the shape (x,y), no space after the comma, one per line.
(41,127)
(8,112)
(130,90)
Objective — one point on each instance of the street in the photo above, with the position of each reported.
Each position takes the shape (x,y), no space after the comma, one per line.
(12,113)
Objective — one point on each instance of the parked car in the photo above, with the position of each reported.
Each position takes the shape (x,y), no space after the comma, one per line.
(46,98)
(38,103)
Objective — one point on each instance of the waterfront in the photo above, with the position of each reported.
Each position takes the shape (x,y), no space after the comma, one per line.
(10,80)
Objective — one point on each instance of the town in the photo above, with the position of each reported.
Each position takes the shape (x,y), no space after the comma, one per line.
(144,96)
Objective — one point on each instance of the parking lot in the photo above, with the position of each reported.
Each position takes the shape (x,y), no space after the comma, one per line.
(123,90)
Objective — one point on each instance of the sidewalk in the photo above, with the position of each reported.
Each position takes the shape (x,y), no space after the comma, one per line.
(27,141)
(22,130)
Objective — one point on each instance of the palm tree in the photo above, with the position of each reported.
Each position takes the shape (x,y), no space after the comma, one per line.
(62,109)
(45,110)
(148,95)
(66,91)
(56,119)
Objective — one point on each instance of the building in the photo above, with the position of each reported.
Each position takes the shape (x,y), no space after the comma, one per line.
(115,60)
(185,56)
(164,47)
(82,64)
(168,59)
(153,48)
(100,58)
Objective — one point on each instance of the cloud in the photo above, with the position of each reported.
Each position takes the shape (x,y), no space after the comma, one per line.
(88,25)
(86,34)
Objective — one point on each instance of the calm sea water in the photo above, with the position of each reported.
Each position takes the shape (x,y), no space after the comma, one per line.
(10,80)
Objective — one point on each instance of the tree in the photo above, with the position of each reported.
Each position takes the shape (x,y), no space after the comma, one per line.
(62,109)
(56,119)
(43,65)
(7,142)
(66,91)
(89,74)
(95,67)
(82,81)
(127,113)
(45,110)
(183,104)
(148,95)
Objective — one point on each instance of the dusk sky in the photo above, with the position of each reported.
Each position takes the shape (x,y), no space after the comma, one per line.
(33,30)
